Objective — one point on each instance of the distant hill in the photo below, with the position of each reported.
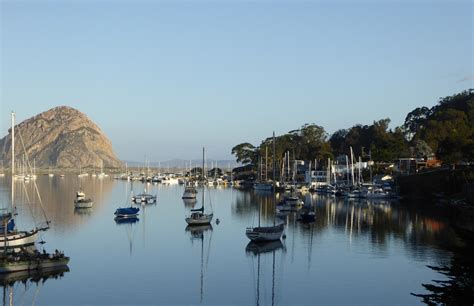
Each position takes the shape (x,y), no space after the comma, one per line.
(61,137)
(182,163)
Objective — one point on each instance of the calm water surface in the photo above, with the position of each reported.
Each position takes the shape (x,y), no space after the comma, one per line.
(355,253)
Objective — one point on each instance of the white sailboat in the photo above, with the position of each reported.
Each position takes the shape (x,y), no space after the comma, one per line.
(266,233)
(144,198)
(198,217)
(15,256)
(13,238)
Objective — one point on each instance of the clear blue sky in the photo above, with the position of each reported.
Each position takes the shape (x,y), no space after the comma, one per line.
(165,78)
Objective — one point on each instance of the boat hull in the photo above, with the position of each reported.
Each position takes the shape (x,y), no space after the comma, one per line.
(33,264)
(203,220)
(265,233)
(18,239)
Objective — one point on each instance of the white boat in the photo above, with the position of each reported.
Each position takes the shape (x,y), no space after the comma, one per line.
(11,237)
(198,217)
(81,201)
(16,239)
(266,233)
(15,256)
(169,180)
(144,198)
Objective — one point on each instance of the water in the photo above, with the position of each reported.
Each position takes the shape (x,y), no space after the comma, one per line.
(355,253)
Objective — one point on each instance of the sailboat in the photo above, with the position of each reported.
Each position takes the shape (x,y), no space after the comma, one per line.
(266,233)
(198,217)
(11,237)
(126,213)
(307,214)
(27,259)
(261,184)
(144,198)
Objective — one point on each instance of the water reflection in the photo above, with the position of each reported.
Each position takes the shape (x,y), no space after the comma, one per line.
(458,289)
(83,211)
(128,224)
(19,287)
(57,197)
(197,233)
(121,221)
(380,221)
(259,250)
(256,248)
(189,203)
(330,253)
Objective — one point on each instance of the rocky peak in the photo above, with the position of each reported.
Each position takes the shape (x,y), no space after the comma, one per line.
(61,137)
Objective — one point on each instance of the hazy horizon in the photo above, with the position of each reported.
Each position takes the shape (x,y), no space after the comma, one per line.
(170,78)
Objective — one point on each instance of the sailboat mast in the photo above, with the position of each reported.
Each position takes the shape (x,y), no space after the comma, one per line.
(203,159)
(352,167)
(13,144)
(266,163)
(13,182)
(273,160)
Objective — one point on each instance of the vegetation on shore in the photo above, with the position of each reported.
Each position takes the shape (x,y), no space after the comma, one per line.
(445,130)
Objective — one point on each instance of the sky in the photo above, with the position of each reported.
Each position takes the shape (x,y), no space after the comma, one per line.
(164,79)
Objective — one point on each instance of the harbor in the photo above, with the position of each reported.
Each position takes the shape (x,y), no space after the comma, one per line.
(236,153)
(154,253)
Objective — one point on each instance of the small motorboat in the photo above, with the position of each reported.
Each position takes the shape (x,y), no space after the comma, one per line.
(81,201)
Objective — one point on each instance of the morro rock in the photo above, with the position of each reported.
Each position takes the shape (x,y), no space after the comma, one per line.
(61,137)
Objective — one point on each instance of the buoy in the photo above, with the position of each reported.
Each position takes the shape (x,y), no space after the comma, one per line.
(218,221)
(284,236)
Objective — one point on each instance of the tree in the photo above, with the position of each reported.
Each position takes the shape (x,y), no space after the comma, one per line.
(245,153)
(414,121)
(338,141)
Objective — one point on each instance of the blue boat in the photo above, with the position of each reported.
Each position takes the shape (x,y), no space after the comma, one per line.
(127,212)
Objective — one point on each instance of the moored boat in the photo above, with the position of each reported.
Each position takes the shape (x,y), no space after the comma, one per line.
(127,212)
(81,201)
(32,261)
